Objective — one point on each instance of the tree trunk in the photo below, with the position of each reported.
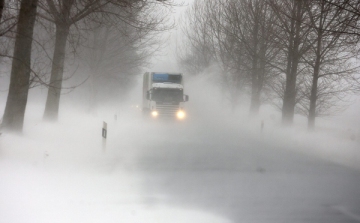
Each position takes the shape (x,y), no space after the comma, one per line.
(255,94)
(2,4)
(314,87)
(13,119)
(289,100)
(288,109)
(313,98)
(255,101)
(57,70)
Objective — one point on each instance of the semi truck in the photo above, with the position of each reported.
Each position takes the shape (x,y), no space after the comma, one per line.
(163,95)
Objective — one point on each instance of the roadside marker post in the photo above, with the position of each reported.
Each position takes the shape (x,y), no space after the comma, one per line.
(104,135)
(104,130)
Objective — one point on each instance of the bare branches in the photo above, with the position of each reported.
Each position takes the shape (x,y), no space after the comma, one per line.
(196,53)
(301,52)
(352,9)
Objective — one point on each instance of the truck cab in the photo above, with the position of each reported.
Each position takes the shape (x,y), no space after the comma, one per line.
(163,95)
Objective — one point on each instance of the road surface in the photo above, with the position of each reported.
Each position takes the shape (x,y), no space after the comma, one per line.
(199,171)
(242,177)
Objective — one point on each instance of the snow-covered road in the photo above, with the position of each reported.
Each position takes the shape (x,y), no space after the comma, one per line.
(245,179)
(198,171)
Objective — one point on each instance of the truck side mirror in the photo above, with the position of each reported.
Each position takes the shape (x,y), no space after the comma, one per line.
(148,95)
(186,98)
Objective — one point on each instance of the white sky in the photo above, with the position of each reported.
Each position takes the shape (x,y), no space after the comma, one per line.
(167,59)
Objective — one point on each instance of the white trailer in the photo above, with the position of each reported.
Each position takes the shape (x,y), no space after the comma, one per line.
(163,95)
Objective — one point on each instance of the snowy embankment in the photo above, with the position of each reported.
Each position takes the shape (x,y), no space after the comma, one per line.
(334,139)
(64,172)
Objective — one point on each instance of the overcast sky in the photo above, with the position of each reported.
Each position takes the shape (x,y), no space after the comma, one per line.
(166,61)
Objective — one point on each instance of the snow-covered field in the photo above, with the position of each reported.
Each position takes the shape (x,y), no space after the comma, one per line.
(66,172)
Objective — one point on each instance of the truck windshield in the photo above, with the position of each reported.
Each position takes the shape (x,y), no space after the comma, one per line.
(167,95)
(161,78)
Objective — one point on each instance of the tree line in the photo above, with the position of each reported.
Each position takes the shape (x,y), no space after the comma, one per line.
(113,38)
(299,55)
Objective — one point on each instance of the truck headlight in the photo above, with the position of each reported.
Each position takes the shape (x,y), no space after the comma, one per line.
(154,113)
(180,114)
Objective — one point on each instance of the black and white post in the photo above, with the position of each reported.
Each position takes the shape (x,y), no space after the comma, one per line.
(104,135)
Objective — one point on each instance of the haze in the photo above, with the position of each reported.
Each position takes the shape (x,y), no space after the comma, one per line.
(221,164)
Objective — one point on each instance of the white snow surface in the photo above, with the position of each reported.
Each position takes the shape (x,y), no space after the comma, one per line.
(65,172)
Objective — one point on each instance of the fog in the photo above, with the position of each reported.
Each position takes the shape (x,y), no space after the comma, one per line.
(218,165)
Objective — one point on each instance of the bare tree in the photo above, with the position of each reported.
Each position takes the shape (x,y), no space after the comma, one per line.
(196,52)
(236,36)
(211,47)
(291,38)
(63,16)
(308,45)
(329,57)
(67,13)
(230,50)
(8,20)
(114,55)
(352,7)
(251,24)
(20,73)
(8,16)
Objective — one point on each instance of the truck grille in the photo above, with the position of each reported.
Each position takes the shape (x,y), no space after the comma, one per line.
(167,110)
